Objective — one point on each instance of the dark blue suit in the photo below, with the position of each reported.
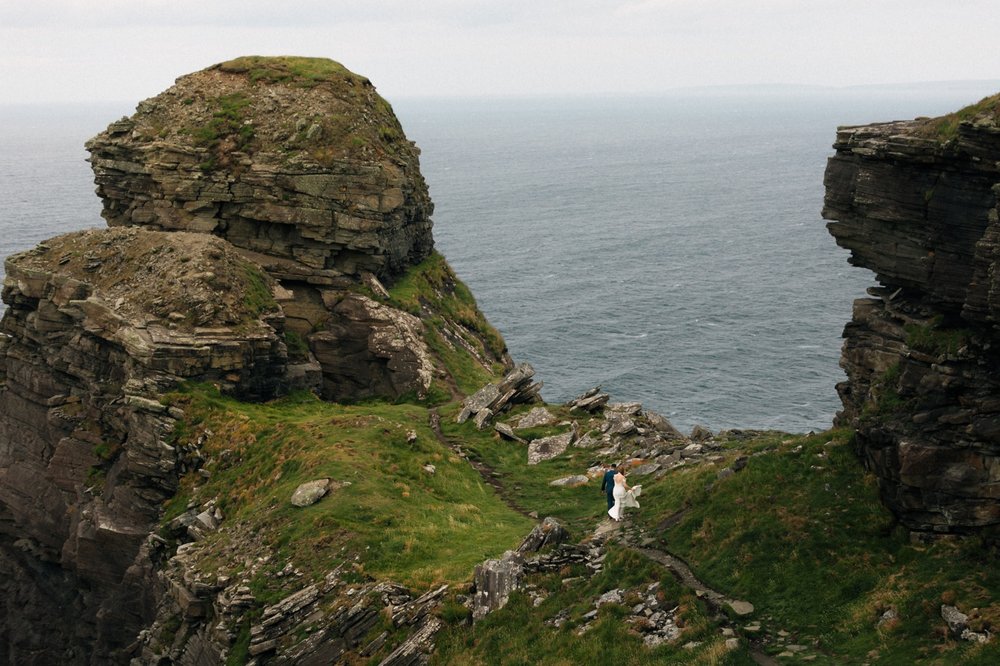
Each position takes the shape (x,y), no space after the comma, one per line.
(608,486)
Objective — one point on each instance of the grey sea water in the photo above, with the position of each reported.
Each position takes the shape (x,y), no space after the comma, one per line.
(669,249)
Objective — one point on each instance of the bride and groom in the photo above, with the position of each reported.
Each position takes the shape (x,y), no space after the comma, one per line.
(620,494)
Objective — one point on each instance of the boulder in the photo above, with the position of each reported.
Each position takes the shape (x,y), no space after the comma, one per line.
(508,433)
(661,425)
(538,416)
(516,387)
(547,533)
(494,581)
(956,620)
(547,448)
(311,492)
(570,481)
(700,433)
(644,469)
(590,401)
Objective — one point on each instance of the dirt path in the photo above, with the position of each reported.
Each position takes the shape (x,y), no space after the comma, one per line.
(715,599)
(605,529)
(487,473)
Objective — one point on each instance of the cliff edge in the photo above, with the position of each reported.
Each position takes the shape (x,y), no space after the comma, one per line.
(917,203)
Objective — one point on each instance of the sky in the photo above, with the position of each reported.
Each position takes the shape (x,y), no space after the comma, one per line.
(106,50)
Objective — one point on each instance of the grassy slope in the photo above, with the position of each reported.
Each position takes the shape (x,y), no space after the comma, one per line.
(406,524)
(453,324)
(799,532)
(986,110)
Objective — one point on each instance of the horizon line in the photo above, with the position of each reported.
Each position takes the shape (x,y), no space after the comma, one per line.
(594,94)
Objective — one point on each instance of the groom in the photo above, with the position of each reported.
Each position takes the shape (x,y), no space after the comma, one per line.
(608,483)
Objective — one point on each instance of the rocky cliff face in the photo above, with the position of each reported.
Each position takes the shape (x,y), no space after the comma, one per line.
(296,159)
(99,325)
(303,166)
(257,208)
(917,202)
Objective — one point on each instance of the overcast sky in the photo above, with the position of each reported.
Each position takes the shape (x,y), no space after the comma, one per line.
(93,50)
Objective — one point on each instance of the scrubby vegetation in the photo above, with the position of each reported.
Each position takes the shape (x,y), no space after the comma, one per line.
(935,338)
(457,332)
(305,72)
(946,127)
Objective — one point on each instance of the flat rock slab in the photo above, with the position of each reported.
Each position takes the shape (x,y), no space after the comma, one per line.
(508,432)
(570,481)
(741,607)
(642,470)
(547,448)
(309,493)
(538,416)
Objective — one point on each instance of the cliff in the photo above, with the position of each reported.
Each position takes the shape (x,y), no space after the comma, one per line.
(917,203)
(296,159)
(300,164)
(258,209)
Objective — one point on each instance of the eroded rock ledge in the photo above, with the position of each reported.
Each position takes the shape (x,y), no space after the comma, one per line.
(916,202)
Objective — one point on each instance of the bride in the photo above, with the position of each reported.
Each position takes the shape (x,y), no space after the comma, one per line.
(623,493)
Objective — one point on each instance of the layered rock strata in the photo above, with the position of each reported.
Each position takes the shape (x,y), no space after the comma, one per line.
(297,159)
(257,209)
(304,167)
(99,324)
(917,203)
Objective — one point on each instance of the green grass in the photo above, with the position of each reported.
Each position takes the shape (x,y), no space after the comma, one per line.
(580,508)
(415,527)
(933,338)
(433,292)
(306,72)
(298,349)
(886,399)
(257,295)
(800,533)
(226,121)
(946,127)
(518,635)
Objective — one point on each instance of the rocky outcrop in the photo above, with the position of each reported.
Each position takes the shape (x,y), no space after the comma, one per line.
(99,324)
(296,159)
(369,349)
(258,209)
(517,386)
(916,202)
(301,165)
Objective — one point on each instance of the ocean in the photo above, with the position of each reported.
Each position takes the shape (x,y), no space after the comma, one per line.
(669,249)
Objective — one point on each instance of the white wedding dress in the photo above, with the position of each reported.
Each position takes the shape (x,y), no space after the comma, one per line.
(623,498)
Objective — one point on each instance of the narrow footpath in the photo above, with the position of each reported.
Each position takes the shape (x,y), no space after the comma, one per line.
(639,543)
